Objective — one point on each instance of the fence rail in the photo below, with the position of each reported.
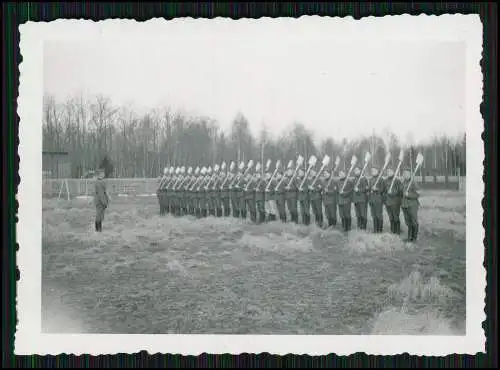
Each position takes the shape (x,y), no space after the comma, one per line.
(147,187)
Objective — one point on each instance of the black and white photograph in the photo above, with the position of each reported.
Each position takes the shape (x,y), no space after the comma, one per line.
(307,185)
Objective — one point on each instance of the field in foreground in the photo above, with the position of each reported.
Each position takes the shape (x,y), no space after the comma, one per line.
(150,274)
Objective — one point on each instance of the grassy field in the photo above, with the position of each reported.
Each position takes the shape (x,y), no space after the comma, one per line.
(150,274)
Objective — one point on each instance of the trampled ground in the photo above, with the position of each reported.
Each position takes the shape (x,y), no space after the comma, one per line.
(150,274)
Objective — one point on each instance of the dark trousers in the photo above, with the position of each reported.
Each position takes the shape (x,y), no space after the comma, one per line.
(331,213)
(317,207)
(361,210)
(280,204)
(345,215)
(306,212)
(411,219)
(292,208)
(393,211)
(376,210)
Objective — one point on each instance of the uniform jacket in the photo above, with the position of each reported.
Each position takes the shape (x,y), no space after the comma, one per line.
(224,186)
(101,197)
(377,193)
(303,194)
(361,195)
(345,196)
(260,188)
(241,188)
(331,191)
(410,197)
(315,193)
(250,192)
(279,191)
(394,197)
(291,192)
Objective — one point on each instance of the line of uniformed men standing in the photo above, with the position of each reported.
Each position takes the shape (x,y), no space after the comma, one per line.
(242,194)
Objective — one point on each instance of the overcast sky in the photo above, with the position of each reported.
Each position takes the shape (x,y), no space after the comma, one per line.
(339,89)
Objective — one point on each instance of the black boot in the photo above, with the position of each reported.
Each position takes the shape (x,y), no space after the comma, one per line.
(398,227)
(375,225)
(380,225)
(415,233)
(410,234)
(100,226)
(96,226)
(334,222)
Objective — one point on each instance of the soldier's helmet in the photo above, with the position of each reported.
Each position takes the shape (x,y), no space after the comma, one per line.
(357,171)
(390,172)
(342,174)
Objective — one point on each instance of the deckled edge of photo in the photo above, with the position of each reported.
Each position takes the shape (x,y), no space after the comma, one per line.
(28,338)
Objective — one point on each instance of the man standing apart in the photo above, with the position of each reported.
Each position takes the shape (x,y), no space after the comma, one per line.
(101,200)
(410,205)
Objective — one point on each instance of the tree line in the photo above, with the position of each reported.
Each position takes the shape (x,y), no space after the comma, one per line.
(93,130)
